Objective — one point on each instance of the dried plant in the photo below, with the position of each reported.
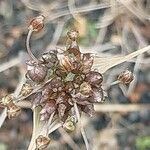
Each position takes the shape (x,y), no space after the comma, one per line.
(62,84)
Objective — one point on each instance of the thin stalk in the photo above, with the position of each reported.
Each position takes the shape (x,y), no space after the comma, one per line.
(28,46)
(81,127)
(52,129)
(36,126)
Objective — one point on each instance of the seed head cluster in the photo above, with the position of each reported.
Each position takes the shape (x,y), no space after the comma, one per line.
(69,79)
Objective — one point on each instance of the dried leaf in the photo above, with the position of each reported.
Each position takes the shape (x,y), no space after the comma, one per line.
(105,63)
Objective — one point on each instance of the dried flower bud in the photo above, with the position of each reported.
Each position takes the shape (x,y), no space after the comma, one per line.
(87,62)
(94,78)
(37,72)
(48,109)
(97,95)
(126,77)
(85,88)
(42,142)
(56,83)
(78,79)
(26,89)
(50,59)
(61,110)
(65,62)
(73,51)
(69,86)
(61,98)
(73,34)
(60,72)
(5,101)
(69,126)
(37,23)
(13,111)
(46,93)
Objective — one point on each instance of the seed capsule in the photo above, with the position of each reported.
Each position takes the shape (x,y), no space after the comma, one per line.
(36,72)
(50,59)
(94,78)
(37,23)
(126,77)
(69,126)
(85,88)
(42,142)
(13,111)
(87,62)
(65,62)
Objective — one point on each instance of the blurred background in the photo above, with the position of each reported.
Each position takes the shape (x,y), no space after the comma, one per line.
(106,27)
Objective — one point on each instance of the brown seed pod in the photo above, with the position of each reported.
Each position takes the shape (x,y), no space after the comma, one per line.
(48,109)
(87,62)
(126,77)
(37,72)
(65,62)
(50,59)
(68,87)
(94,78)
(56,83)
(46,94)
(78,79)
(73,51)
(61,110)
(61,98)
(37,23)
(42,142)
(60,72)
(13,111)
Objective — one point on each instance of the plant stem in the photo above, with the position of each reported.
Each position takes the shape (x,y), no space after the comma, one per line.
(81,127)
(36,126)
(28,46)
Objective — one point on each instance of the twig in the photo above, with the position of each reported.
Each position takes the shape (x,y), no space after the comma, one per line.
(82,9)
(121,107)
(10,64)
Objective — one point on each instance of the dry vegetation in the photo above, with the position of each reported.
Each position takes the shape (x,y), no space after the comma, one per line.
(117,33)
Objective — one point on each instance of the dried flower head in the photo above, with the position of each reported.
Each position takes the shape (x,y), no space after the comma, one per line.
(71,80)
(13,111)
(73,34)
(26,89)
(5,101)
(42,142)
(37,23)
(126,77)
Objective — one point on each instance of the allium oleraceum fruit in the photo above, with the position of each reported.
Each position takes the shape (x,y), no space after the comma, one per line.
(69,79)
(62,83)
